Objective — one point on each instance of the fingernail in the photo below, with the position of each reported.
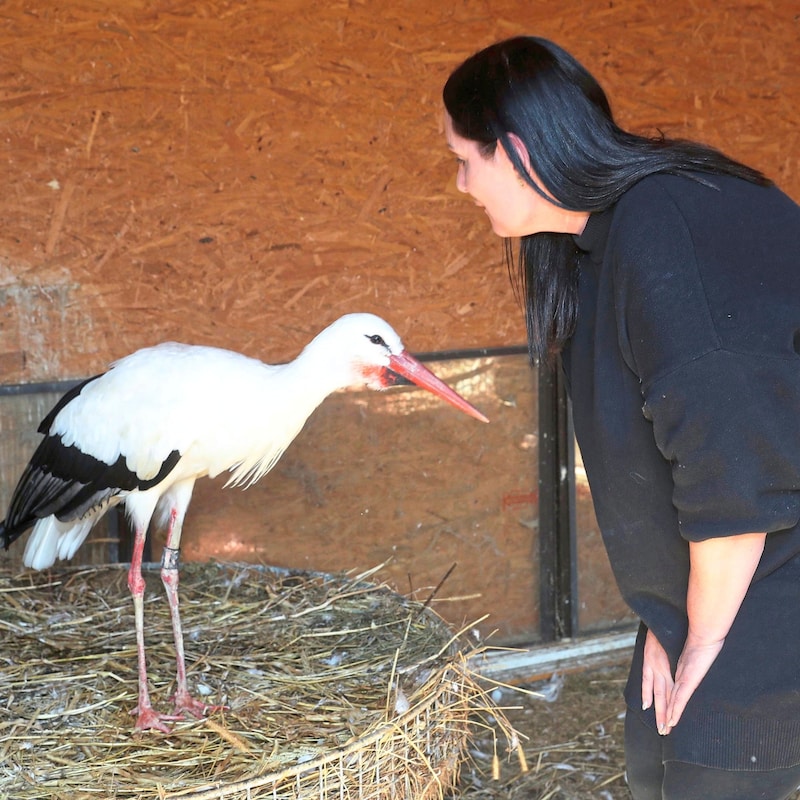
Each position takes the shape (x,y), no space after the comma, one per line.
(661,728)
(645,706)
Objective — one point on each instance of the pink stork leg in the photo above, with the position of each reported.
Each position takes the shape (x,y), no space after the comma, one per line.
(147,718)
(184,701)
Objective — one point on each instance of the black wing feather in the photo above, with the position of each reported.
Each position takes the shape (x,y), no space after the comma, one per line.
(62,480)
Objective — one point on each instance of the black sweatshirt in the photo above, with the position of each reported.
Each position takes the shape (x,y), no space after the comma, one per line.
(684,375)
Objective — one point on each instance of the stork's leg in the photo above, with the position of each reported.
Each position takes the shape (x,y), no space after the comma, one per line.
(184,701)
(147,718)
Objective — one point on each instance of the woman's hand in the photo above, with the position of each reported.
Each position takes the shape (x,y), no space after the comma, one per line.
(656,680)
(719,576)
(693,664)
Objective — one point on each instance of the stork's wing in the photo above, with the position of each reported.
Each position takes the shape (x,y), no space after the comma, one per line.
(66,399)
(65,482)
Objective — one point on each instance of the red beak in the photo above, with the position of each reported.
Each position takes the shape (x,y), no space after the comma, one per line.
(416,372)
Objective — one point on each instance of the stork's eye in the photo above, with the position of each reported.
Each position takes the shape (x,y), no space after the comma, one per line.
(376,338)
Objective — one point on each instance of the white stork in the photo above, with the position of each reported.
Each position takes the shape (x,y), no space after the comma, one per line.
(144,431)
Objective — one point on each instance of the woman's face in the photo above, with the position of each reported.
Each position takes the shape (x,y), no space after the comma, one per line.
(514,208)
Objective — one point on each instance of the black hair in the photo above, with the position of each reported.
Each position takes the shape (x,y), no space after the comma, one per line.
(532,88)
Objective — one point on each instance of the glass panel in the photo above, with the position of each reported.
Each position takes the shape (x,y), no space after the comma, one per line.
(397,479)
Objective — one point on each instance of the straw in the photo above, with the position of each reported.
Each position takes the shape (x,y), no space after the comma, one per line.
(333,686)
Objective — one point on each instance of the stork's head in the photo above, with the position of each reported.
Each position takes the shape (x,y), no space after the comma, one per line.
(368,351)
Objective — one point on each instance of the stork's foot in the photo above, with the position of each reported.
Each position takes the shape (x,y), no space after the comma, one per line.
(185,703)
(147,719)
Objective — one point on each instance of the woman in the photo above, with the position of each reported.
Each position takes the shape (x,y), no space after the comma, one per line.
(666,278)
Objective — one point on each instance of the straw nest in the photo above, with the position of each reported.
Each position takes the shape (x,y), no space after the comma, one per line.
(333,687)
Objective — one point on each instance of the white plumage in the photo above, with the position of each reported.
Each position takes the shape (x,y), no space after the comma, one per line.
(159,419)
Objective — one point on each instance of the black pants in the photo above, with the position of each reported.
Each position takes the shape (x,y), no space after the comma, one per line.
(651,778)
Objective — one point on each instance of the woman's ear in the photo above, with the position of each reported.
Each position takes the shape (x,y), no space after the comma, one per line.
(520,150)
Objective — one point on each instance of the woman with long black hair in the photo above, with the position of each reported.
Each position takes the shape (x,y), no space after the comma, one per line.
(664,278)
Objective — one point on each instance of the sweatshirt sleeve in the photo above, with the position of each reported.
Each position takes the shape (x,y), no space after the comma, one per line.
(719,383)
(728,424)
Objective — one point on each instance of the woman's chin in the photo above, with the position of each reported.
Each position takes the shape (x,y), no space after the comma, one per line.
(498,229)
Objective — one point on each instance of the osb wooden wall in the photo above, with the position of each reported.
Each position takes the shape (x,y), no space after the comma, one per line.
(241,173)
(244,172)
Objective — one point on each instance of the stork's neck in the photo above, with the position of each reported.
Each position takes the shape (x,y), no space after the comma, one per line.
(320,370)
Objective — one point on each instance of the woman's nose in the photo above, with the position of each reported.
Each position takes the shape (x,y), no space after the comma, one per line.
(461,181)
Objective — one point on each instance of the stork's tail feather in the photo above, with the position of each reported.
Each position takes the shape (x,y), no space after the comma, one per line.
(51,539)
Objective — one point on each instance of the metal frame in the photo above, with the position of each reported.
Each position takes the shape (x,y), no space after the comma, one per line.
(557,550)
(558,574)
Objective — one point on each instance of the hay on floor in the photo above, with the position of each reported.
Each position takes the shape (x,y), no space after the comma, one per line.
(333,686)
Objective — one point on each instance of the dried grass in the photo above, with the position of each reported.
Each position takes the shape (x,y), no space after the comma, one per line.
(333,686)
